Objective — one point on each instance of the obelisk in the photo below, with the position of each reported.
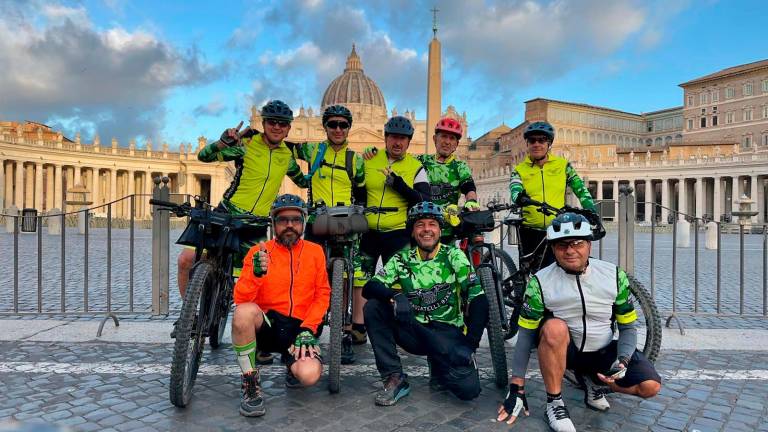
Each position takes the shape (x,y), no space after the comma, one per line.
(434,84)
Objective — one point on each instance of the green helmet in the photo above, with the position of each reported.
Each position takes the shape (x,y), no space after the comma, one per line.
(399,125)
(337,111)
(288,201)
(540,127)
(277,110)
(424,210)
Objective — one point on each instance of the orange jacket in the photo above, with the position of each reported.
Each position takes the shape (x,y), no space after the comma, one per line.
(295,285)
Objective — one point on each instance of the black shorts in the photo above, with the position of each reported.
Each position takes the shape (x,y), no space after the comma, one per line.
(277,334)
(590,363)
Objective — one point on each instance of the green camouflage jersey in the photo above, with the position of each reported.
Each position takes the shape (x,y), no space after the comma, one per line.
(448,180)
(438,289)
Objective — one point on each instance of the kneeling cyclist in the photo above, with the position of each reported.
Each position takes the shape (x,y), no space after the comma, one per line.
(418,301)
(281,298)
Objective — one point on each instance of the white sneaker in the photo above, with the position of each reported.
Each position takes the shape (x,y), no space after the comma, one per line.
(558,417)
(594,395)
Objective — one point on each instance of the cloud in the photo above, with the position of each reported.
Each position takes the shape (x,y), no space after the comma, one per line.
(60,69)
(214,108)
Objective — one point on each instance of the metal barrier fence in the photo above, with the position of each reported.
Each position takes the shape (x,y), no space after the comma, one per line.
(91,300)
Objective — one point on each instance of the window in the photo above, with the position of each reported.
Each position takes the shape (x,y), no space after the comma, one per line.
(748,89)
(730,93)
(748,141)
(715,95)
(702,98)
(714,120)
(765,112)
(690,124)
(649,126)
(729,117)
(703,111)
(765,140)
(703,122)
(690,100)
(747,115)
(765,86)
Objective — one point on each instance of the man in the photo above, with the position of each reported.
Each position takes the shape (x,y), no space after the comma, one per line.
(337,177)
(417,301)
(393,178)
(261,161)
(544,177)
(449,177)
(281,298)
(569,309)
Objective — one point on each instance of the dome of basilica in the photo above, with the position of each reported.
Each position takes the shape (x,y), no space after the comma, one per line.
(353,87)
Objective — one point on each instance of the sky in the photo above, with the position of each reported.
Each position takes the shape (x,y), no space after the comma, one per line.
(172,71)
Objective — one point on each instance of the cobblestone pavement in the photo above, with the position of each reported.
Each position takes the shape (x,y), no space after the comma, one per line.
(119,386)
(685,266)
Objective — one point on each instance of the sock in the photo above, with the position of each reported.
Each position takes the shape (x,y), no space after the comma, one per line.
(358,327)
(554,397)
(246,356)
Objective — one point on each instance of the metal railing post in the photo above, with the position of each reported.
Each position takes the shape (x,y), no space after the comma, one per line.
(160,249)
(622,228)
(629,245)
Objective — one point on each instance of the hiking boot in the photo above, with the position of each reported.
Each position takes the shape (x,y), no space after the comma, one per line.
(594,395)
(358,337)
(558,417)
(290,379)
(252,402)
(396,387)
(347,353)
(264,358)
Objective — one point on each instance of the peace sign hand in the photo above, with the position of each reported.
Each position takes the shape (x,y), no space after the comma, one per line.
(231,136)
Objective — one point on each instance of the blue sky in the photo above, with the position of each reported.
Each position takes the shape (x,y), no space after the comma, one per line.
(172,71)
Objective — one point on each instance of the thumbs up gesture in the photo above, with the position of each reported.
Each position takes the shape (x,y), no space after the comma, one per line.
(260,260)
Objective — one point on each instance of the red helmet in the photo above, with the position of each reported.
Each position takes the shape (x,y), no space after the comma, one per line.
(450,125)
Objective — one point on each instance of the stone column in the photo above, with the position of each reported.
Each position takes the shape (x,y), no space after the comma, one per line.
(57,187)
(95,186)
(112,189)
(649,200)
(29,186)
(756,205)
(2,185)
(735,195)
(717,199)
(700,207)
(48,187)
(8,174)
(18,200)
(78,176)
(146,208)
(39,186)
(682,198)
(616,199)
(131,191)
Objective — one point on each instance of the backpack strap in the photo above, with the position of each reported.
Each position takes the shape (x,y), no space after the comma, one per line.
(349,165)
(319,156)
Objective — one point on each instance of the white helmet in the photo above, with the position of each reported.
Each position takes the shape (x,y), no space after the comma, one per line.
(569,225)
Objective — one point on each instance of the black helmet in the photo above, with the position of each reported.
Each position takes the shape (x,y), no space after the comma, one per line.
(288,201)
(424,210)
(399,125)
(337,111)
(277,110)
(541,128)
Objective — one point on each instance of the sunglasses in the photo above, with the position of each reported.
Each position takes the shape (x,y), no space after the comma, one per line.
(285,220)
(273,123)
(333,124)
(563,246)
(534,140)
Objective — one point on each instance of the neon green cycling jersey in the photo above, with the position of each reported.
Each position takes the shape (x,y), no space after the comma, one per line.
(438,289)
(331,182)
(383,195)
(259,172)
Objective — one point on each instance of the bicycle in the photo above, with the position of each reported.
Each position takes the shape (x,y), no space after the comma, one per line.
(208,298)
(513,287)
(340,226)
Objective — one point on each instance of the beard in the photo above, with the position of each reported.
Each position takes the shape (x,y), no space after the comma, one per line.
(288,237)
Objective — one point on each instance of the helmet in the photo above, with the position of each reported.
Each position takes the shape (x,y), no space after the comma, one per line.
(288,201)
(399,125)
(337,111)
(569,225)
(450,125)
(540,127)
(423,210)
(277,110)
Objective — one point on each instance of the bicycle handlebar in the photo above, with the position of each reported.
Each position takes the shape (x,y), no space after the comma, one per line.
(185,209)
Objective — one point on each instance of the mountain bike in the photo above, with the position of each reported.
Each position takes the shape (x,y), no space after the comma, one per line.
(208,297)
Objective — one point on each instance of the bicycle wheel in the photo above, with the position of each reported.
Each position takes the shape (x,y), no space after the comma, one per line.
(335,323)
(648,319)
(512,292)
(190,336)
(219,321)
(495,332)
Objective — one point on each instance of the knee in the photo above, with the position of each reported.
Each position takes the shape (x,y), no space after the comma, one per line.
(463,382)
(246,316)
(554,333)
(372,310)
(648,389)
(308,371)
(186,258)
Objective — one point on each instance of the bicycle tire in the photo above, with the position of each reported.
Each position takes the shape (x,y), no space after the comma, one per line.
(495,332)
(512,294)
(651,318)
(335,323)
(186,352)
(219,321)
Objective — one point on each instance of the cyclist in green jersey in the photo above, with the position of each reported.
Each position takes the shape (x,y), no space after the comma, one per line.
(336,177)
(418,301)
(261,161)
(449,177)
